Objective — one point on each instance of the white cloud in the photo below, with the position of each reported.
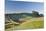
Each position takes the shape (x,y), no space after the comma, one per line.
(40,11)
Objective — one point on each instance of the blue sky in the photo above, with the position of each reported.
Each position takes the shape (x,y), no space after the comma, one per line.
(23,7)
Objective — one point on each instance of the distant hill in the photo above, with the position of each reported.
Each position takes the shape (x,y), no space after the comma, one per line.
(16,16)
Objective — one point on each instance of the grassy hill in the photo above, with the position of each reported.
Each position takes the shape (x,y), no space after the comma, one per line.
(29,22)
(16,16)
(34,23)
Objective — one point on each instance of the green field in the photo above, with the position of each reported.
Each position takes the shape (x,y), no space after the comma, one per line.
(30,23)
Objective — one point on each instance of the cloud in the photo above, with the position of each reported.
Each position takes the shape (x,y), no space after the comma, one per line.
(40,11)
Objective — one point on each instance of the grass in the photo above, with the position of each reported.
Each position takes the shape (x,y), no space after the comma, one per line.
(34,23)
(31,23)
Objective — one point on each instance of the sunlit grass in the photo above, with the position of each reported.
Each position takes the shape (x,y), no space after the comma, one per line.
(31,23)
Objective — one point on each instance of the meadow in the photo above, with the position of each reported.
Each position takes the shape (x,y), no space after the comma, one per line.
(29,23)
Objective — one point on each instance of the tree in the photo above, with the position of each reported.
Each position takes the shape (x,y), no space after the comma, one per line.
(41,15)
(35,14)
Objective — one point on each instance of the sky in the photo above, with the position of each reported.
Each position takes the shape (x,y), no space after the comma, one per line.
(29,0)
(23,6)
